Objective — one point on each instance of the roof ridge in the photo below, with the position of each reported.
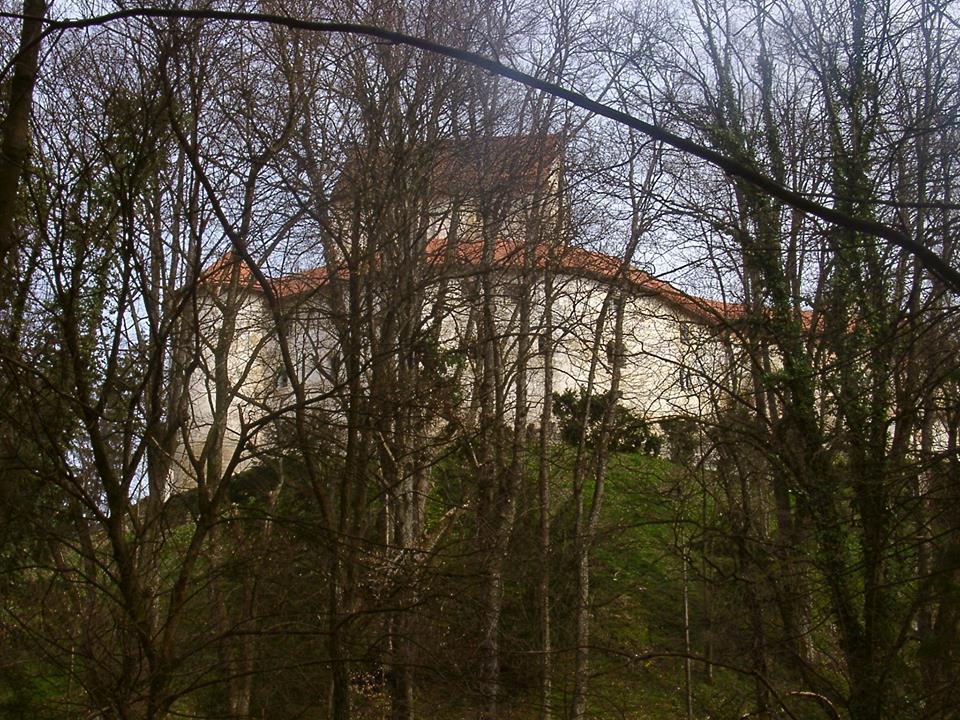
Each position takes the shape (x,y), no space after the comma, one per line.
(507,254)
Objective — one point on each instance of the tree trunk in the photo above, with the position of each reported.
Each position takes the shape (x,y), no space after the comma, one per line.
(546,422)
(16,129)
(588,517)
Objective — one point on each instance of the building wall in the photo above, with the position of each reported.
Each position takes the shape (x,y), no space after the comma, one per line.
(229,391)
(673,364)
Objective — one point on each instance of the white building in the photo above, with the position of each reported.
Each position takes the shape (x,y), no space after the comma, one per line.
(460,298)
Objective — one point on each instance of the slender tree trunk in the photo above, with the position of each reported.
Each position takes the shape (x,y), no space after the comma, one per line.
(400,676)
(16,130)
(582,618)
(587,518)
(687,648)
(546,423)
(339,700)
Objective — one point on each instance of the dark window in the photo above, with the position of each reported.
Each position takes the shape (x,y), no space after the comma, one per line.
(514,291)
(542,343)
(684,333)
(615,351)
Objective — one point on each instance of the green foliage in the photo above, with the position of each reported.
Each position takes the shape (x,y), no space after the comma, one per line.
(680,435)
(28,692)
(628,431)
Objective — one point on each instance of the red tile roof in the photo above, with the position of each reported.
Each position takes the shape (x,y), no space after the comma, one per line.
(221,271)
(579,261)
(467,258)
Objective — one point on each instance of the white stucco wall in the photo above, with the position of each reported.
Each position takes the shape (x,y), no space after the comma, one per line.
(672,363)
(226,391)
